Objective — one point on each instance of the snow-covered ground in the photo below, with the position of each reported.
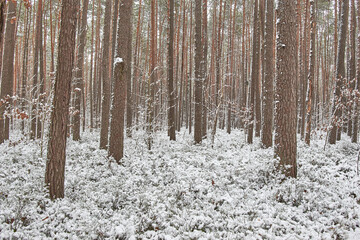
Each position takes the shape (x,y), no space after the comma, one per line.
(181,191)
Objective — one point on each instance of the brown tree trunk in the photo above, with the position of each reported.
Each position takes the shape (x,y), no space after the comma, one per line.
(254,72)
(340,75)
(2,28)
(35,87)
(152,79)
(204,68)
(311,77)
(41,90)
(116,147)
(79,72)
(7,76)
(25,67)
(268,94)
(129,96)
(55,165)
(285,91)
(171,93)
(113,34)
(303,75)
(355,128)
(104,132)
(352,64)
(198,73)
(91,87)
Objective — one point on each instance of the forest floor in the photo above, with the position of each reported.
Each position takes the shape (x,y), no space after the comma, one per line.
(229,190)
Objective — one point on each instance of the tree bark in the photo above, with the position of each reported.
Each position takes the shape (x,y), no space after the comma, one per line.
(268,94)
(171,93)
(311,77)
(198,73)
(2,28)
(79,72)
(352,65)
(55,165)
(285,91)
(116,147)
(152,79)
(254,72)
(338,100)
(355,128)
(7,76)
(105,114)
(35,87)
(204,68)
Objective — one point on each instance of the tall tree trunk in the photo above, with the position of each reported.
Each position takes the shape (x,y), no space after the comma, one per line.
(171,93)
(129,96)
(355,128)
(104,132)
(285,90)
(7,76)
(152,79)
(254,72)
(204,68)
(113,34)
(41,90)
(79,72)
(2,28)
(91,87)
(352,63)
(55,165)
(311,77)
(304,71)
(116,147)
(268,94)
(35,87)
(198,73)
(338,100)
(25,67)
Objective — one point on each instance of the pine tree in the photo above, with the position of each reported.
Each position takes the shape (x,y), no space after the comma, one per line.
(285,91)
(171,92)
(7,73)
(55,165)
(338,100)
(105,114)
(198,73)
(116,145)
(268,94)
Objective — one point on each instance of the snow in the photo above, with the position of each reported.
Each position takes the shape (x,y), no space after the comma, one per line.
(229,190)
(118,60)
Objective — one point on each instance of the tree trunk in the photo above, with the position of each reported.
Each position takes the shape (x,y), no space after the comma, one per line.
(254,72)
(285,90)
(25,67)
(2,28)
(79,72)
(268,94)
(152,79)
(338,100)
(355,128)
(204,68)
(129,105)
(7,76)
(35,88)
(116,147)
(198,73)
(55,165)
(311,77)
(352,65)
(104,132)
(171,93)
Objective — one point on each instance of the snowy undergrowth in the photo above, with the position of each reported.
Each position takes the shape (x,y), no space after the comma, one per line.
(181,191)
